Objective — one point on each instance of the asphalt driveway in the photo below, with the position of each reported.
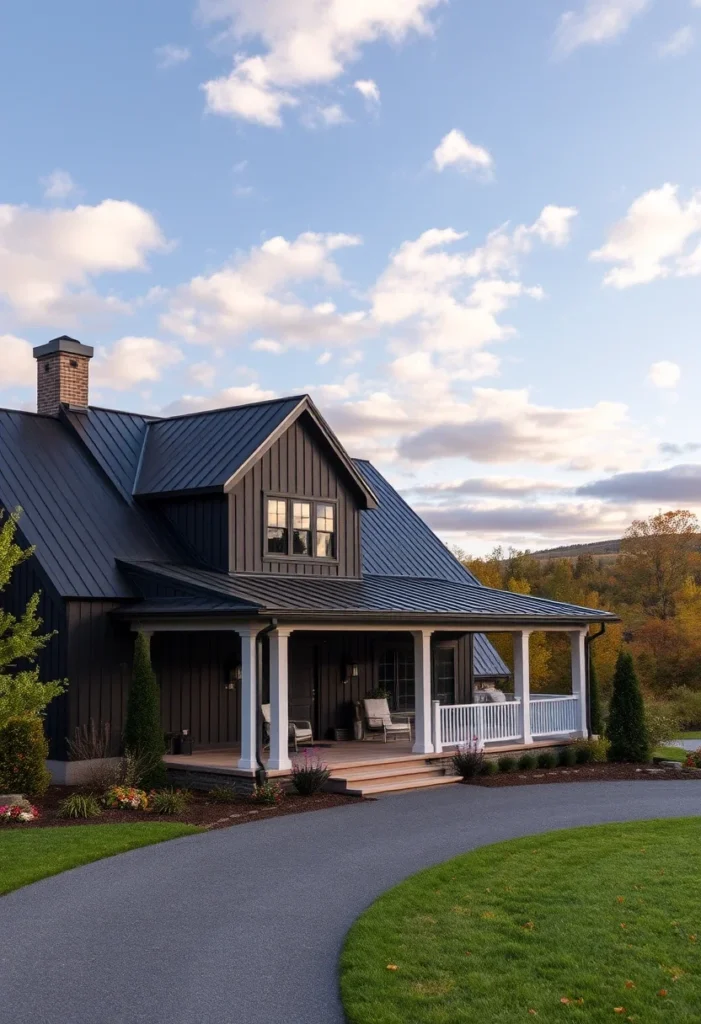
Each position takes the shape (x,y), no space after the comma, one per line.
(244,926)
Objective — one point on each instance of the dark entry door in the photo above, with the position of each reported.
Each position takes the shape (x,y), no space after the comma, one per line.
(444,673)
(303,672)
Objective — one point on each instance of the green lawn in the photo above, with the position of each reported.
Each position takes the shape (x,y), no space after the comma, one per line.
(671,753)
(689,736)
(33,853)
(590,925)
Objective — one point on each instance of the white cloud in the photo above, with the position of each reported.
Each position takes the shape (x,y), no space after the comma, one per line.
(452,299)
(169,56)
(254,293)
(268,345)
(58,185)
(17,362)
(323,359)
(369,90)
(599,21)
(49,257)
(238,395)
(455,150)
(651,241)
(679,43)
(545,522)
(664,374)
(325,117)
(131,361)
(203,374)
(305,43)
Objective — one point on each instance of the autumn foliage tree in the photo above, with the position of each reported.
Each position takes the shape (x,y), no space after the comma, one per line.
(657,557)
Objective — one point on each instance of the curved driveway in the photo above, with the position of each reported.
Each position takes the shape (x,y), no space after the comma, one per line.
(244,925)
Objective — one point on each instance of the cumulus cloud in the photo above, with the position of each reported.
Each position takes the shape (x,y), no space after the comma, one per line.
(369,90)
(455,150)
(58,185)
(670,449)
(325,116)
(18,364)
(254,293)
(678,484)
(244,394)
(306,43)
(664,374)
(170,55)
(131,361)
(599,21)
(504,426)
(653,239)
(48,258)
(679,43)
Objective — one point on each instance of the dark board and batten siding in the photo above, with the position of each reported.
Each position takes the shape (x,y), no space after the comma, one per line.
(296,464)
(202,525)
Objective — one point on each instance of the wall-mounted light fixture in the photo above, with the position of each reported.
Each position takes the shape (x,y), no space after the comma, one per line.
(234,678)
(350,671)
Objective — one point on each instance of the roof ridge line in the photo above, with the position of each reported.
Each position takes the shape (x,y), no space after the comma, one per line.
(231,408)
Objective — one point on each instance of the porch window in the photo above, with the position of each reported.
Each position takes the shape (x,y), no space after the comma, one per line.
(277,527)
(301,528)
(396,676)
(444,673)
(325,531)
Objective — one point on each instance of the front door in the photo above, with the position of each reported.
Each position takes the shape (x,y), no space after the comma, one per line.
(303,672)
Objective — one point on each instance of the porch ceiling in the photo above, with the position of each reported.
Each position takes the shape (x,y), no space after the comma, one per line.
(373,598)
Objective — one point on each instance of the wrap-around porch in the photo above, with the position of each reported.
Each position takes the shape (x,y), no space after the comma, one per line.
(444,712)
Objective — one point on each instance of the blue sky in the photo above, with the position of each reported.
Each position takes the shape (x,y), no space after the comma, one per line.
(471,230)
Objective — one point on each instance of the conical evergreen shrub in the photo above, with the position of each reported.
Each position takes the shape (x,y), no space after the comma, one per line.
(143,733)
(596,718)
(626,730)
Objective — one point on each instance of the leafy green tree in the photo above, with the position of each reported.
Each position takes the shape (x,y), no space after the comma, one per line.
(627,731)
(143,733)
(23,753)
(21,691)
(596,720)
(657,557)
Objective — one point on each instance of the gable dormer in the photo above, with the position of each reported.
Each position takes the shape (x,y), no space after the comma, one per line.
(260,488)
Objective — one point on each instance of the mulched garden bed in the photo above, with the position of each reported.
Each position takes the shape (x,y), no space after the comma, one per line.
(584,773)
(200,811)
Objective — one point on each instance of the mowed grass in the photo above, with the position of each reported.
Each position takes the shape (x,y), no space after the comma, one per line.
(671,753)
(590,925)
(689,736)
(33,853)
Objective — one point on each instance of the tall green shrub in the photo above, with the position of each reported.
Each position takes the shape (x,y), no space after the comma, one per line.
(21,691)
(596,719)
(627,731)
(23,751)
(143,734)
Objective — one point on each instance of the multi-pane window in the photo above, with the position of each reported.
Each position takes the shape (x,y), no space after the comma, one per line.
(276,541)
(301,529)
(396,677)
(325,531)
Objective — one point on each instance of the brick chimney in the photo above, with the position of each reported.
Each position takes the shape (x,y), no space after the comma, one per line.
(63,374)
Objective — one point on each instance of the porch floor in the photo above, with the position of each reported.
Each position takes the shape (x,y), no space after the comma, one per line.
(340,754)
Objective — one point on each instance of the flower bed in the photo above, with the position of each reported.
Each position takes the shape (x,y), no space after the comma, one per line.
(18,813)
(126,798)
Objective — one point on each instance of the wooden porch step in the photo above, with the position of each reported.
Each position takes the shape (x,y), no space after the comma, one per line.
(385,772)
(399,785)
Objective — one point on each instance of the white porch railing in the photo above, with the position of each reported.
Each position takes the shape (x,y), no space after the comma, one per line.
(460,723)
(554,716)
(457,724)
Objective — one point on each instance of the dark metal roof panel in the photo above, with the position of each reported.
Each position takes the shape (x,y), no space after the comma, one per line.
(72,513)
(486,661)
(114,439)
(397,542)
(376,594)
(203,451)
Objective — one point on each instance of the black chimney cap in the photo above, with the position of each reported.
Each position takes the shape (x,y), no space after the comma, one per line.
(64,344)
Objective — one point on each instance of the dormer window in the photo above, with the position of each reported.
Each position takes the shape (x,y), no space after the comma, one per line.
(301,529)
(277,527)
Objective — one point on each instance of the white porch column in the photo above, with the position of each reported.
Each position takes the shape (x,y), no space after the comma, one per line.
(522,680)
(422,691)
(279,715)
(249,697)
(579,677)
